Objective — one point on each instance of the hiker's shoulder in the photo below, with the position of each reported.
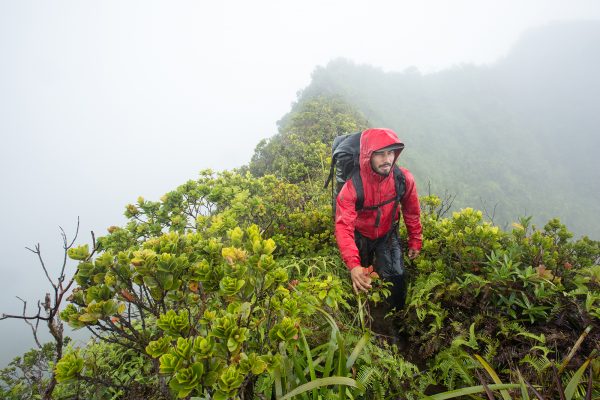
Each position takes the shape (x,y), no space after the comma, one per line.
(408,176)
(348,191)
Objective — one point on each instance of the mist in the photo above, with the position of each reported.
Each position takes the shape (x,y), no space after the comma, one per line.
(102,103)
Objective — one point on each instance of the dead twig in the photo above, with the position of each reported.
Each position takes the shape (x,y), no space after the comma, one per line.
(48,309)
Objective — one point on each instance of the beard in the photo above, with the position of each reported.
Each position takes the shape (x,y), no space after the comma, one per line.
(380,169)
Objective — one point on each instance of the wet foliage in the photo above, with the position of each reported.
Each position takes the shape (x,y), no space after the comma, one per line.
(230,287)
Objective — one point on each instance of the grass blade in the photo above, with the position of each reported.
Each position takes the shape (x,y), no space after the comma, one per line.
(316,363)
(309,361)
(298,368)
(341,364)
(524,391)
(572,385)
(329,319)
(332,380)
(329,359)
(357,350)
(277,379)
(470,390)
(494,376)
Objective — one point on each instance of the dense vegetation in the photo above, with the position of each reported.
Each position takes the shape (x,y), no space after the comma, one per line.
(230,286)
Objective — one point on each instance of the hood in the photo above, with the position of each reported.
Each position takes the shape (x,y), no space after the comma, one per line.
(372,140)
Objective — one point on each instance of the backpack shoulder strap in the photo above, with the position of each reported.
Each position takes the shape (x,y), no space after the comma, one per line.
(358,187)
(400,189)
(400,183)
(330,176)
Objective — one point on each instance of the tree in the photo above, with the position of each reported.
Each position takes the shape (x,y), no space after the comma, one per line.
(34,365)
(301,150)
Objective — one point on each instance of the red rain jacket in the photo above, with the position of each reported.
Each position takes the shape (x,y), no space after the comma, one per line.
(377,189)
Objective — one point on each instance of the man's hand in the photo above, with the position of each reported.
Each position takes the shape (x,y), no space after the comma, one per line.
(413,253)
(360,279)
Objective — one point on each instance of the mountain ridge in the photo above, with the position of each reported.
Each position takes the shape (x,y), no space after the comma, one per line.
(495,135)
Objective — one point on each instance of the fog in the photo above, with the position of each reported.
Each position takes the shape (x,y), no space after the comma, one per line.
(101,102)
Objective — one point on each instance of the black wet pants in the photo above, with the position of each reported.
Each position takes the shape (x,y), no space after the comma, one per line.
(385,255)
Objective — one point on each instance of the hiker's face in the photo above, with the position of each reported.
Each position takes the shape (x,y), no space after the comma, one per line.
(382,161)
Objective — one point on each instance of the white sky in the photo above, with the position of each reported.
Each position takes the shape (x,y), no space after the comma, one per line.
(103,101)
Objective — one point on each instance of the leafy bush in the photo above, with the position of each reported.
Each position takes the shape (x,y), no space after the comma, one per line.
(518,298)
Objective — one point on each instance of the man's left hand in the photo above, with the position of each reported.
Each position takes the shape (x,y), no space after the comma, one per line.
(413,253)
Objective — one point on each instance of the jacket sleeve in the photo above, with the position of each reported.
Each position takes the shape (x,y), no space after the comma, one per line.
(345,217)
(411,212)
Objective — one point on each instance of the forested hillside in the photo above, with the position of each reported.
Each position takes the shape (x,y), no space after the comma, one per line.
(518,137)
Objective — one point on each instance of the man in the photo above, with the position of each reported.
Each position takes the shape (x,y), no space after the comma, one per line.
(370,236)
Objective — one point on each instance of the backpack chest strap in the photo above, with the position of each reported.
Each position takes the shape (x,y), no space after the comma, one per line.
(378,208)
(399,185)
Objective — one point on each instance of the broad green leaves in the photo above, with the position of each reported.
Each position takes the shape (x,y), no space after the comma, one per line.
(195,285)
(69,367)
(79,253)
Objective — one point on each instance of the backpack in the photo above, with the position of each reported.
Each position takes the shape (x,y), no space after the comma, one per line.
(345,153)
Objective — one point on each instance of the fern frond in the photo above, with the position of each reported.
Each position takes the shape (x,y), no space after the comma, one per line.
(538,363)
(454,366)
(371,377)
(491,348)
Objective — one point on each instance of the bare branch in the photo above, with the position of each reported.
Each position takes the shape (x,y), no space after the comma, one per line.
(446,204)
(94,247)
(51,307)
(38,316)
(7,316)
(131,344)
(39,254)
(485,211)
(76,233)
(66,247)
(446,201)
(33,328)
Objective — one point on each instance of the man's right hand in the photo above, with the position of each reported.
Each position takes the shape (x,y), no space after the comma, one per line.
(360,279)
